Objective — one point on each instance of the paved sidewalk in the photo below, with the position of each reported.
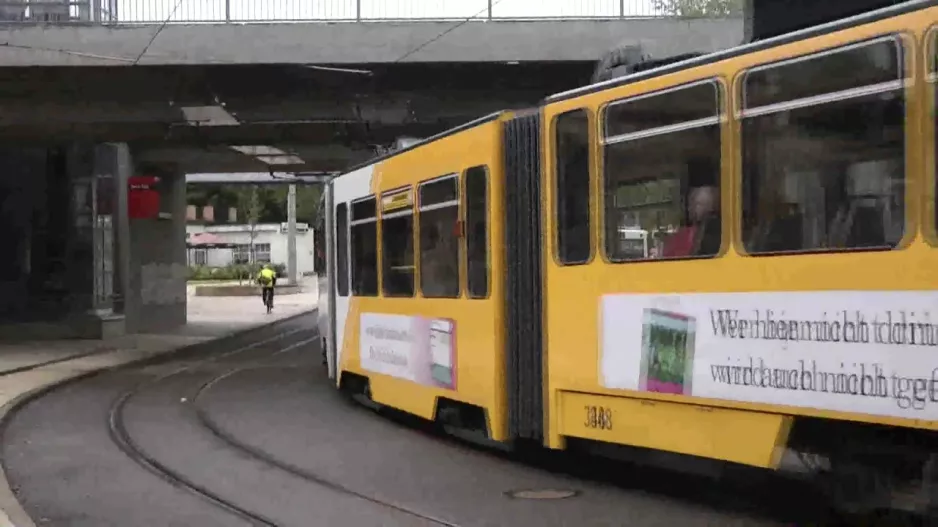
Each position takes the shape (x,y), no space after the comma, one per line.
(209,318)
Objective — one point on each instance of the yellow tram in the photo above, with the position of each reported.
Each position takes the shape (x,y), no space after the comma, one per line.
(730,258)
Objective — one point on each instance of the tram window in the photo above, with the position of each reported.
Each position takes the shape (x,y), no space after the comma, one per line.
(477,243)
(397,248)
(574,242)
(825,173)
(439,238)
(319,249)
(364,244)
(341,253)
(661,175)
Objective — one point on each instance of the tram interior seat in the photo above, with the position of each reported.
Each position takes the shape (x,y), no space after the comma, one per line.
(866,217)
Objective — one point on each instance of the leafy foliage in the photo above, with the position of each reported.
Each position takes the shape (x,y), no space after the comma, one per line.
(263,204)
(699,8)
(232,272)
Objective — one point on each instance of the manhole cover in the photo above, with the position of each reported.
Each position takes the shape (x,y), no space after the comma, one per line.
(542,494)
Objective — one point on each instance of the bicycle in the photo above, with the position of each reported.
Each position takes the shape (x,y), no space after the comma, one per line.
(268,297)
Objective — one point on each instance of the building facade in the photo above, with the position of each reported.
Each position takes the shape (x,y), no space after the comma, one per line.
(260,243)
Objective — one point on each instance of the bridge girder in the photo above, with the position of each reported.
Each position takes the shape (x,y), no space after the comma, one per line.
(391,108)
(186,118)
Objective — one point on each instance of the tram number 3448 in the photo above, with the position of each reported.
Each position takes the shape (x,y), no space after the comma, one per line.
(598,417)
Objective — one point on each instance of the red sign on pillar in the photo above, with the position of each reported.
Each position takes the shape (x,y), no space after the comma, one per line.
(143,198)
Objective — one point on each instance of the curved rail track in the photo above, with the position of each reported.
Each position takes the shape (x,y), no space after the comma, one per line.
(215,390)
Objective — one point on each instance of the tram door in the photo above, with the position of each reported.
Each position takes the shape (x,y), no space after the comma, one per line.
(342,292)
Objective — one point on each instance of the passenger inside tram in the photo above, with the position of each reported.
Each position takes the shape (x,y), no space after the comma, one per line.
(663,167)
(700,235)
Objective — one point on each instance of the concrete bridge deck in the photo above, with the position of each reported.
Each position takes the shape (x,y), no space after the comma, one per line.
(359,42)
(323,82)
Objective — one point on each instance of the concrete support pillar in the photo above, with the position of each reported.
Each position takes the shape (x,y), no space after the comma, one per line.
(291,235)
(155,298)
(104,237)
(90,272)
(80,174)
(123,169)
(75,265)
(22,191)
(64,248)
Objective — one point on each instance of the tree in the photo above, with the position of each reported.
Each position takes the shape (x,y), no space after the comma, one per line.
(307,203)
(250,206)
(269,202)
(220,196)
(699,8)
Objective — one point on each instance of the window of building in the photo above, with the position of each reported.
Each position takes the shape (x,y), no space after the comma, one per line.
(246,253)
(364,242)
(572,191)
(661,175)
(477,231)
(439,238)
(200,257)
(262,252)
(397,243)
(823,151)
(241,254)
(341,249)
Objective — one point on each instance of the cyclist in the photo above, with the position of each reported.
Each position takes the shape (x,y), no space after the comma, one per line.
(267,278)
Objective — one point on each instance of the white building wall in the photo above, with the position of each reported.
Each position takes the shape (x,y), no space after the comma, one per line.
(264,234)
(218,257)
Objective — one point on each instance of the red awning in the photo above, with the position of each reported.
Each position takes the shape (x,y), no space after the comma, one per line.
(205,240)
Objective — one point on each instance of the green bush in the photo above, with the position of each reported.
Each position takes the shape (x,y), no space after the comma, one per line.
(246,272)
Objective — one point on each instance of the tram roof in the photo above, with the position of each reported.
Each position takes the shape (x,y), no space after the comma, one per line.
(260,178)
(794,36)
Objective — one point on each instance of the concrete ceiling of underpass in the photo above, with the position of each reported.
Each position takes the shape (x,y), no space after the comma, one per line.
(328,158)
(256,118)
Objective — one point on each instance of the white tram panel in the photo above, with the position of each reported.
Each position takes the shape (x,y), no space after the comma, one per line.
(347,188)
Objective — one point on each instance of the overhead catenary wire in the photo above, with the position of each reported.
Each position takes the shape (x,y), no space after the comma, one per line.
(157,33)
(62,51)
(446,32)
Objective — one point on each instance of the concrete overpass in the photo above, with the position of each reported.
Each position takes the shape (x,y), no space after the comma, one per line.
(205,85)
(231,118)
(359,43)
(89,99)
(191,32)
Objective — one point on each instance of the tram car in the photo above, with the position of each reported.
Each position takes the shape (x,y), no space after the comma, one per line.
(729,259)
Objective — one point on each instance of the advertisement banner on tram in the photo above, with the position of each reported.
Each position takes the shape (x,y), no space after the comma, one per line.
(413,348)
(871,352)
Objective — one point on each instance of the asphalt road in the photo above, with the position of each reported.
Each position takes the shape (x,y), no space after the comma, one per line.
(331,462)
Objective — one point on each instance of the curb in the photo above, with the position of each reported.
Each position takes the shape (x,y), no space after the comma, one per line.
(12,513)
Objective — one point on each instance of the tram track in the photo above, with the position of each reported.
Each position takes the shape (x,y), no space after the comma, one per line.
(112,349)
(118,433)
(194,402)
(552,464)
(123,439)
(53,362)
(218,431)
(225,439)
